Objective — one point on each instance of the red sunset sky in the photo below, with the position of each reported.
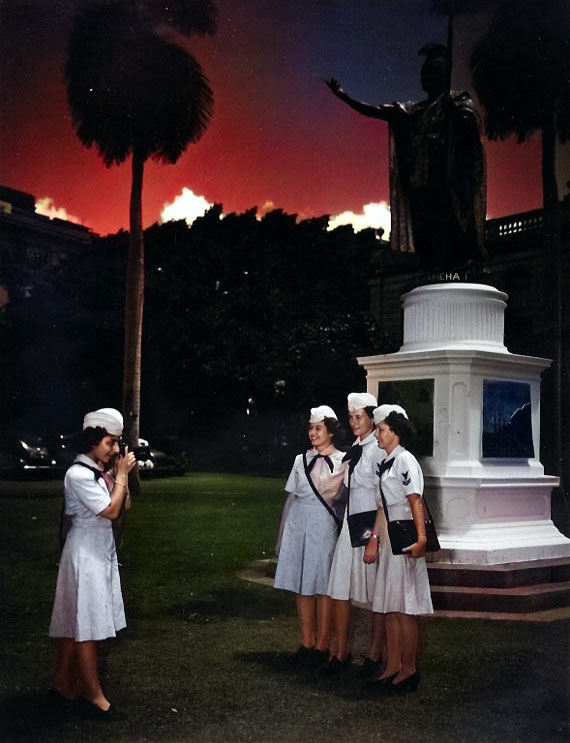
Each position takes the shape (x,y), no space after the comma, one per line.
(278,136)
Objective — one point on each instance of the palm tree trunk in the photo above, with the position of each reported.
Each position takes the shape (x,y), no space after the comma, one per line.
(134,301)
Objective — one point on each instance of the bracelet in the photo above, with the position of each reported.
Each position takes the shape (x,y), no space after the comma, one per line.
(373,536)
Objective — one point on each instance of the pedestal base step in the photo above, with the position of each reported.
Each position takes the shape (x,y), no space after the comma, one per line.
(529,592)
(512,588)
(505,575)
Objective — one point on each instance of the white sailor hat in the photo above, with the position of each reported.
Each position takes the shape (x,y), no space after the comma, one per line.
(359,400)
(108,418)
(382,412)
(320,413)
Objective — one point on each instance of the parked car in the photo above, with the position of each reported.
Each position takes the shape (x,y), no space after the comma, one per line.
(26,456)
(165,464)
(156,463)
(150,461)
(143,455)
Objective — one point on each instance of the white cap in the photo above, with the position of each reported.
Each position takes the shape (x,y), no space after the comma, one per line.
(384,411)
(108,418)
(320,413)
(359,400)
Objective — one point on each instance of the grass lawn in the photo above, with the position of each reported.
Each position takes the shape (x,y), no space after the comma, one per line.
(204,656)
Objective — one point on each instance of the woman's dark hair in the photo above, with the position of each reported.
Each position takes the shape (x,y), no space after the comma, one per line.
(88,438)
(401,427)
(370,411)
(332,425)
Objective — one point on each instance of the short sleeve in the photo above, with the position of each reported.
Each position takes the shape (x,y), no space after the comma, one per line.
(291,486)
(86,489)
(409,474)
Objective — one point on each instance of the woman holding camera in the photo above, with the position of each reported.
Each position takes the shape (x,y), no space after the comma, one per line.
(88,604)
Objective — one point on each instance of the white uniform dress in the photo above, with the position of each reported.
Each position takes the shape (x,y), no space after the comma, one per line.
(351,578)
(309,530)
(88,601)
(402,583)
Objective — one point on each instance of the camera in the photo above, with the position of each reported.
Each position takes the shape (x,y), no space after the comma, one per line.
(122,449)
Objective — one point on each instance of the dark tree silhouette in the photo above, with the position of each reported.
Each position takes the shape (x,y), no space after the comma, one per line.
(133,88)
(270,310)
(521,74)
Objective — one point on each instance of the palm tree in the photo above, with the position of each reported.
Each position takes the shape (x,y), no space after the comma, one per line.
(521,74)
(133,88)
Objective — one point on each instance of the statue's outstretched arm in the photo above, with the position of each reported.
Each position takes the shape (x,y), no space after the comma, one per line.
(384,111)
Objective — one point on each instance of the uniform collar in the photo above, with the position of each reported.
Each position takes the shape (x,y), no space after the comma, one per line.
(367,439)
(88,461)
(394,453)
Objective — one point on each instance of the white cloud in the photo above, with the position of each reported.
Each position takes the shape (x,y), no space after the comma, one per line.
(372,215)
(46,207)
(269,206)
(186,206)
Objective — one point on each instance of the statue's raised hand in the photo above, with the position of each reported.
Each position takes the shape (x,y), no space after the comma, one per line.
(333,85)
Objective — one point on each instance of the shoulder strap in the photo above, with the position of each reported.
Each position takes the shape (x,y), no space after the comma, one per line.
(384,467)
(96,472)
(316,492)
(352,456)
(384,505)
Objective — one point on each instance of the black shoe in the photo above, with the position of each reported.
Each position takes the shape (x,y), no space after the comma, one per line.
(381,684)
(408,684)
(60,705)
(92,712)
(368,669)
(318,659)
(302,656)
(335,666)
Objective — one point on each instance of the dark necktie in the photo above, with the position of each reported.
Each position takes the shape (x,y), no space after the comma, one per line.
(352,456)
(327,459)
(384,466)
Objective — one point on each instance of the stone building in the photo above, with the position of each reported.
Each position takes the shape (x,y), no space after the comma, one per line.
(32,246)
(36,253)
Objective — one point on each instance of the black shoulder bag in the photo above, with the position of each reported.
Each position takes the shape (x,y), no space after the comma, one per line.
(337,520)
(360,525)
(403,532)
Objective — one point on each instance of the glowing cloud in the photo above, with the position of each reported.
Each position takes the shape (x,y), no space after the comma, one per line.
(373,215)
(47,208)
(269,206)
(186,206)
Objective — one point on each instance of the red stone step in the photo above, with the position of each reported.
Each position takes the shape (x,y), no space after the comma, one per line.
(506,575)
(519,599)
(530,591)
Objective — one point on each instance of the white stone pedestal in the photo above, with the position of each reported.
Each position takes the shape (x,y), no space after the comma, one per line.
(488,510)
